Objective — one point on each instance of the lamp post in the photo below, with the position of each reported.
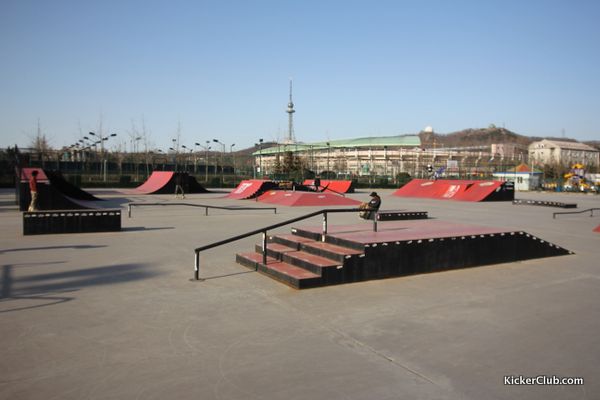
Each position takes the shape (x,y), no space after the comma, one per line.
(233,162)
(260,143)
(328,144)
(101,140)
(222,155)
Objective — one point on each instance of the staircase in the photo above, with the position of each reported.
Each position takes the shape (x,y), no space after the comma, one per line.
(302,260)
(351,254)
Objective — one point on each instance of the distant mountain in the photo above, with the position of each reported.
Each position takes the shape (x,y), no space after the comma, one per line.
(474,137)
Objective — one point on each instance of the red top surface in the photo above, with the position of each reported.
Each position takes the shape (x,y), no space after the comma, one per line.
(26,174)
(296,199)
(461,190)
(405,230)
(246,189)
(156,181)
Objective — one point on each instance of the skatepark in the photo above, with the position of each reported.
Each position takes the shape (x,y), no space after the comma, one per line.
(120,315)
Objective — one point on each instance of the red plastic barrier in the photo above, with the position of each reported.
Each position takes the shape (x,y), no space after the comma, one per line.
(597,229)
(298,199)
(247,189)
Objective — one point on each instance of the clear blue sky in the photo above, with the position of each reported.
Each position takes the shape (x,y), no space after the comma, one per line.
(220,69)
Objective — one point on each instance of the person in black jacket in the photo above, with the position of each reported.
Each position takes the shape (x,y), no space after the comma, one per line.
(369,209)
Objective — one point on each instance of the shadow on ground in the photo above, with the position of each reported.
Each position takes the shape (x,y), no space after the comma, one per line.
(45,286)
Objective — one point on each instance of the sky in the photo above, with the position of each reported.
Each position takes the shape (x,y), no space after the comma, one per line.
(203,70)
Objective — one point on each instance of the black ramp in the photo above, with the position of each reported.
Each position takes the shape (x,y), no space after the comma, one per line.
(68,189)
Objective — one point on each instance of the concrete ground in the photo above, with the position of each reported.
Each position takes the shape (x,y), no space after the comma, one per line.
(116,316)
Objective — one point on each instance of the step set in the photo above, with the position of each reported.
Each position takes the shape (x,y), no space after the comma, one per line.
(306,259)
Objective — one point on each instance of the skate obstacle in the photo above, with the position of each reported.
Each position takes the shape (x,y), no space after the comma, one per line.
(308,258)
(313,256)
(163,182)
(71,221)
(337,186)
(54,192)
(458,190)
(305,199)
(251,188)
(63,207)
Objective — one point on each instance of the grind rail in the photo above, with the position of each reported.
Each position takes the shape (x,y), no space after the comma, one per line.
(206,207)
(590,210)
(264,235)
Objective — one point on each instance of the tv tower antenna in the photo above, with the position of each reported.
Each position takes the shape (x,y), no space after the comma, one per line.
(290,110)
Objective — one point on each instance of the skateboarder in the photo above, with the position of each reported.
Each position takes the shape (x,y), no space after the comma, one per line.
(178,185)
(317,183)
(33,190)
(369,209)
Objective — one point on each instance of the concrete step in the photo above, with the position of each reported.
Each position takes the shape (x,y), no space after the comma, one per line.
(332,251)
(289,274)
(290,240)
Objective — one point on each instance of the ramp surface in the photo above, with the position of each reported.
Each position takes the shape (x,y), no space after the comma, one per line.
(52,198)
(339,186)
(459,190)
(250,188)
(156,183)
(298,199)
(68,189)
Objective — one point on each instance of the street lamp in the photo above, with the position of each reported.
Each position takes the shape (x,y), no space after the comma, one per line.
(260,143)
(101,140)
(233,162)
(328,144)
(222,155)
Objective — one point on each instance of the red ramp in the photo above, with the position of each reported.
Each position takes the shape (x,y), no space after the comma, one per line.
(482,191)
(163,182)
(459,190)
(307,199)
(335,186)
(156,183)
(250,188)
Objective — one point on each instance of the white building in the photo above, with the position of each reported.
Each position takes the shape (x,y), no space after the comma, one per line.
(525,178)
(563,153)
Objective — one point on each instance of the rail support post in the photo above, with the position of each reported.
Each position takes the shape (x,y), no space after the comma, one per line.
(264,248)
(324,226)
(129,210)
(197,267)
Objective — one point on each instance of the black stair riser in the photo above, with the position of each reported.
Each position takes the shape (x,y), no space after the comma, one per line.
(439,255)
(285,242)
(323,252)
(270,252)
(307,234)
(316,269)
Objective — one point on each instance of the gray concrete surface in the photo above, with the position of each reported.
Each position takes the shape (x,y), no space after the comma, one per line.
(115,315)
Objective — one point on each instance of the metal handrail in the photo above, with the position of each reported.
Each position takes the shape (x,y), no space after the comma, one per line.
(264,235)
(197,205)
(591,211)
